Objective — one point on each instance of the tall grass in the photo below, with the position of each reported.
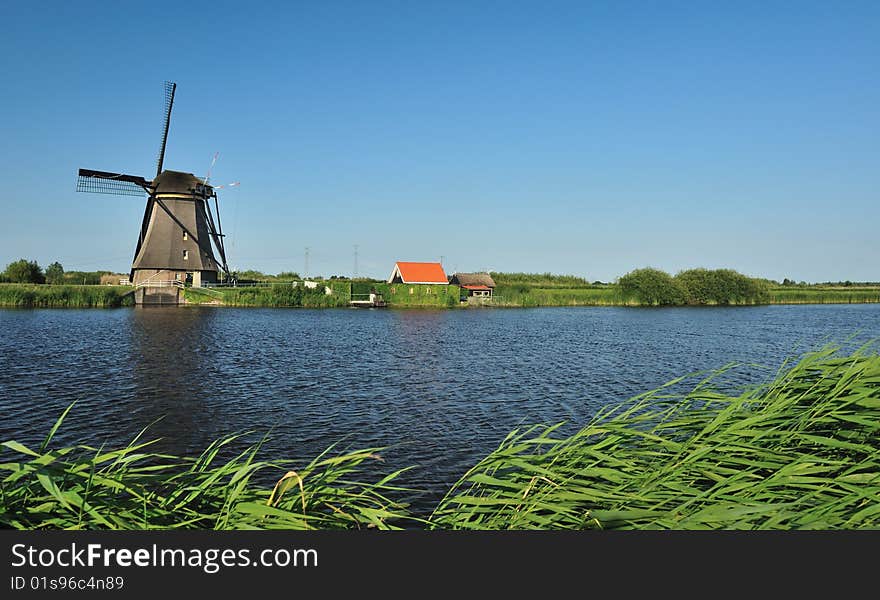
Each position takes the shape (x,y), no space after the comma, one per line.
(543,280)
(282,295)
(840,295)
(611,295)
(801,451)
(525,296)
(84,487)
(64,296)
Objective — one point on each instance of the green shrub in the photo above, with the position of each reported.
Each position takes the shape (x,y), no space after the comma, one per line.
(652,287)
(722,286)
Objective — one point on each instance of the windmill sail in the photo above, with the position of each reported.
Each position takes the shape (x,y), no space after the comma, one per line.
(170,88)
(105,182)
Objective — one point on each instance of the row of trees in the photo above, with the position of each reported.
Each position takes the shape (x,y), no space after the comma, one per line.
(29,271)
(694,286)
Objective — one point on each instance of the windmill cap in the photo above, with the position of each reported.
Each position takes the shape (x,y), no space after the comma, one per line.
(175,182)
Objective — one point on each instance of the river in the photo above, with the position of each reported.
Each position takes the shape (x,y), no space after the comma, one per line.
(440,388)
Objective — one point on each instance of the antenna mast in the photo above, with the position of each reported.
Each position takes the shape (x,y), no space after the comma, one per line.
(355,274)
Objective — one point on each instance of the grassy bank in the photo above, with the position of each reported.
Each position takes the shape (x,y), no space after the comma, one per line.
(280,295)
(399,296)
(528,296)
(25,295)
(611,295)
(286,295)
(800,451)
(829,295)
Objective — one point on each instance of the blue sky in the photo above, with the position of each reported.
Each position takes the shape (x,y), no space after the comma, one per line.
(582,138)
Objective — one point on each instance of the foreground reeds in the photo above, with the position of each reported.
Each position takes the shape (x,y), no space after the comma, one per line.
(801,451)
(89,488)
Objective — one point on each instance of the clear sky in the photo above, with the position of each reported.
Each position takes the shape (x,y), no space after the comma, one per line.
(581,138)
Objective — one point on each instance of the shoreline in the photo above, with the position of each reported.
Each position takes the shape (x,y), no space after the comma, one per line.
(416,307)
(409,297)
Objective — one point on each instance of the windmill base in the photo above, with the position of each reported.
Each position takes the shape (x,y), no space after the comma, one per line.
(154,296)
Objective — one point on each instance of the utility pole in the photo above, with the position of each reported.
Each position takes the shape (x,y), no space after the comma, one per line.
(355,274)
(306,273)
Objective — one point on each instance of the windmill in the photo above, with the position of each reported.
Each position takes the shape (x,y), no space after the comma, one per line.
(178,234)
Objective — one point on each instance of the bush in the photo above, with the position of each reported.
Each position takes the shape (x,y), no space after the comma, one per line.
(722,286)
(693,286)
(652,286)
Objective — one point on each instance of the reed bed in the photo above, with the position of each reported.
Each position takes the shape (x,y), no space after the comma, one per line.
(84,487)
(281,295)
(523,296)
(801,451)
(824,295)
(24,295)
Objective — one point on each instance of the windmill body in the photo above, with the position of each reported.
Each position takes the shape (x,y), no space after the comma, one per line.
(176,242)
(180,240)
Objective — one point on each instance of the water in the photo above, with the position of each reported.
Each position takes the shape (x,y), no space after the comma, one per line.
(442,388)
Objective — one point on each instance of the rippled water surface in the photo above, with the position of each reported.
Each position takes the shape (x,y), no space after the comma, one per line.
(441,387)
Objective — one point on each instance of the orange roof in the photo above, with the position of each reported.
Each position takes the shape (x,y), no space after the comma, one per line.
(421,272)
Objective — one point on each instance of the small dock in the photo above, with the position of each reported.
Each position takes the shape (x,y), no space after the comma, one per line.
(367,301)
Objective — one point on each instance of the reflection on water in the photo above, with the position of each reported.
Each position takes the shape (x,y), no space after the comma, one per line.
(441,387)
(171,375)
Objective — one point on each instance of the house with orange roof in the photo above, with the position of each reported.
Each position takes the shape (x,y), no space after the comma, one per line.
(426,273)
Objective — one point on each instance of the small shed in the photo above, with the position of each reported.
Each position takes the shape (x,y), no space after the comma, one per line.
(475,284)
(418,272)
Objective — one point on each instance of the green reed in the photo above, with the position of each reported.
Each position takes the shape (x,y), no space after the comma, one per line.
(25,295)
(84,487)
(799,451)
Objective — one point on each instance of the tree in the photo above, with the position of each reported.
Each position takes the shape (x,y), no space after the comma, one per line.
(55,273)
(24,271)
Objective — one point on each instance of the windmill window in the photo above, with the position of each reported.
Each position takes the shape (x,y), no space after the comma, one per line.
(186,255)
(184,236)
